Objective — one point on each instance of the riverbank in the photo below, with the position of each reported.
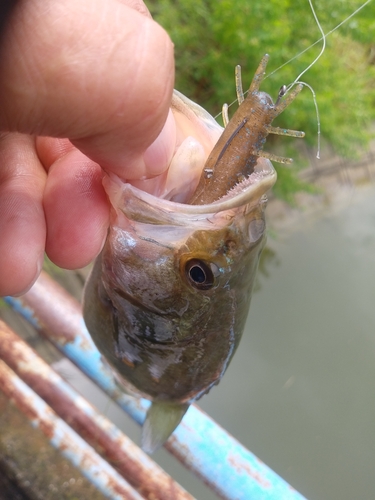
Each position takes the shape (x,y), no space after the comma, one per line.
(337,182)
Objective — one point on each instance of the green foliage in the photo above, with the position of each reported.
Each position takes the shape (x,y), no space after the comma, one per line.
(212,36)
(288,183)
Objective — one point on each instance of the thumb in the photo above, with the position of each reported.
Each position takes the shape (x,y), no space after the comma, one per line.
(95,71)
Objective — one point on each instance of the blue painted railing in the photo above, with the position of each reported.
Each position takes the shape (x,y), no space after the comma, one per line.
(199,443)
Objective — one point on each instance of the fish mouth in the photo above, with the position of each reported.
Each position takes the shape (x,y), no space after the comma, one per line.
(141,206)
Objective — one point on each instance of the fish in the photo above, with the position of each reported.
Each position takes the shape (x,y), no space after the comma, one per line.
(168,296)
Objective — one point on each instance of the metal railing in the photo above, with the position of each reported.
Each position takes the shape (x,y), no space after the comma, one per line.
(200,444)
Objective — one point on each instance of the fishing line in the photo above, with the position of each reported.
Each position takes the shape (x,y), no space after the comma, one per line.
(297,81)
(320,53)
(323,38)
(316,111)
(312,45)
(320,39)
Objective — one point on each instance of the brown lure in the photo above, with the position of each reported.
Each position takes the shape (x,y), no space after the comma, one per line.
(241,144)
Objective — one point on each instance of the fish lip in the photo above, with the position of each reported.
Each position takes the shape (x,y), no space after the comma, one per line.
(249,191)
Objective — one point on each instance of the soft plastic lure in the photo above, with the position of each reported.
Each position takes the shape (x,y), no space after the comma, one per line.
(236,153)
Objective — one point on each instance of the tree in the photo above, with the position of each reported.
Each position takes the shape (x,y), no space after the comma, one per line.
(212,36)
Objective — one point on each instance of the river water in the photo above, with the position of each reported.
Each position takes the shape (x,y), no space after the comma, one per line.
(300,391)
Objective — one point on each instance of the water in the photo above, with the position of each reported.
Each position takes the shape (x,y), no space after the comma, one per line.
(300,392)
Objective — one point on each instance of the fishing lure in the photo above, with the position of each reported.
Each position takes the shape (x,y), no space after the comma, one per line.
(237,151)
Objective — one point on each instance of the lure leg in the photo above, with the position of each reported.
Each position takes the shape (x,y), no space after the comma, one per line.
(225,114)
(285,131)
(281,105)
(259,74)
(272,157)
(239,88)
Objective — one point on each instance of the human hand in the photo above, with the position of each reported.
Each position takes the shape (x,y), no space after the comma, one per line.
(99,73)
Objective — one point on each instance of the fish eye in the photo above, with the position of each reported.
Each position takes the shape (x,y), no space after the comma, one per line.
(199,274)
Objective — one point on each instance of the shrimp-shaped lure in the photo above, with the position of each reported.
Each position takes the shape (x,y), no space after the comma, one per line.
(236,153)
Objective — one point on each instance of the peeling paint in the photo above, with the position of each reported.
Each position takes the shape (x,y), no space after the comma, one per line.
(132,463)
(198,443)
(97,470)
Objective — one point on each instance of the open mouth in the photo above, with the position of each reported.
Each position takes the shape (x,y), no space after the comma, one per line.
(140,206)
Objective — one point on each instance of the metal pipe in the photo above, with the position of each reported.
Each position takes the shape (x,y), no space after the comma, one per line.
(62,437)
(198,442)
(128,459)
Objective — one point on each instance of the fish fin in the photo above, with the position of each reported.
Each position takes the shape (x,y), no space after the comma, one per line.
(161,420)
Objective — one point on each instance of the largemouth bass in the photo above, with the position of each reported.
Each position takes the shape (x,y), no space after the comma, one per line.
(168,297)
